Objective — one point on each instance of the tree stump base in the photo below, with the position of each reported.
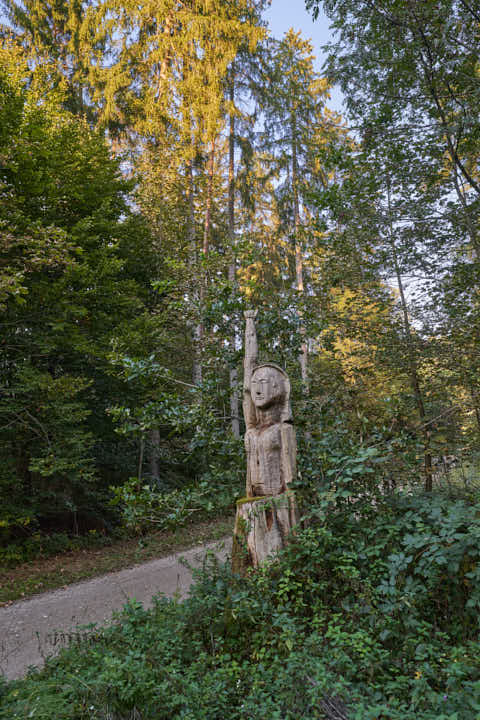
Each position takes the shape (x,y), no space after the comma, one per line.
(262,527)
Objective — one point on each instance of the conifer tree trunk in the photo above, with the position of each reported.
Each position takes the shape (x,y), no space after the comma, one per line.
(232,270)
(198,330)
(476,407)
(298,249)
(208,208)
(203,274)
(166,60)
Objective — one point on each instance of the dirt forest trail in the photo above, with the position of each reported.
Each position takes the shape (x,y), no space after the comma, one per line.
(33,629)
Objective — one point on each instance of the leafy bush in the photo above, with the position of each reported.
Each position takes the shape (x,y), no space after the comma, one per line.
(144,507)
(213,455)
(371,612)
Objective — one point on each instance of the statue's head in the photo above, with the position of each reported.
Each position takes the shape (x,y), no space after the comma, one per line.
(270,387)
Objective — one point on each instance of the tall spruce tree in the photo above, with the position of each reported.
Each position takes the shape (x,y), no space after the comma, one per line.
(60,36)
(165,82)
(293,102)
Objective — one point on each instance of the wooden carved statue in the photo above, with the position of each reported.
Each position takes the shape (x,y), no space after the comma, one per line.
(268,514)
(270,438)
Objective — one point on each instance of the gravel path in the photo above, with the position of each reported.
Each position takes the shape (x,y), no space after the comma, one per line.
(31,630)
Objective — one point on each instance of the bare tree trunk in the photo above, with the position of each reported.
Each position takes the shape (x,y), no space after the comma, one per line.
(208,208)
(472,229)
(203,279)
(140,457)
(197,371)
(197,330)
(232,270)
(477,412)
(154,453)
(412,360)
(473,392)
(298,251)
(167,58)
(475,402)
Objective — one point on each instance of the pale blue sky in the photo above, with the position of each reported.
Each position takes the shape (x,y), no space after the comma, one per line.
(284,14)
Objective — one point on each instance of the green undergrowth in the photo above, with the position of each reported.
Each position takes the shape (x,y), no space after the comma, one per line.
(371,613)
(140,509)
(44,545)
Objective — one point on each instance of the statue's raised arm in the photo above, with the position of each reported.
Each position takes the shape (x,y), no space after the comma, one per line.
(249,364)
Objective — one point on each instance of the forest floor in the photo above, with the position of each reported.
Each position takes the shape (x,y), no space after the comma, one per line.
(33,629)
(61,570)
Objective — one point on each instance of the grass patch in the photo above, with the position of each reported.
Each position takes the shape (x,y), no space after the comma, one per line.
(54,572)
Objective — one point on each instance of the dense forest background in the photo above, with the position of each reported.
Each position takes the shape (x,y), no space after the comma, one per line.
(164,167)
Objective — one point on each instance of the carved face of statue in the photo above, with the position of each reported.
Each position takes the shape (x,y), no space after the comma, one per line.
(267,387)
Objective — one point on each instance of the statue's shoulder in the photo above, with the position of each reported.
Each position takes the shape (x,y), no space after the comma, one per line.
(288,429)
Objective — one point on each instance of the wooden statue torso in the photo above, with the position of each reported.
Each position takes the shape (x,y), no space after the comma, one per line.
(270,459)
